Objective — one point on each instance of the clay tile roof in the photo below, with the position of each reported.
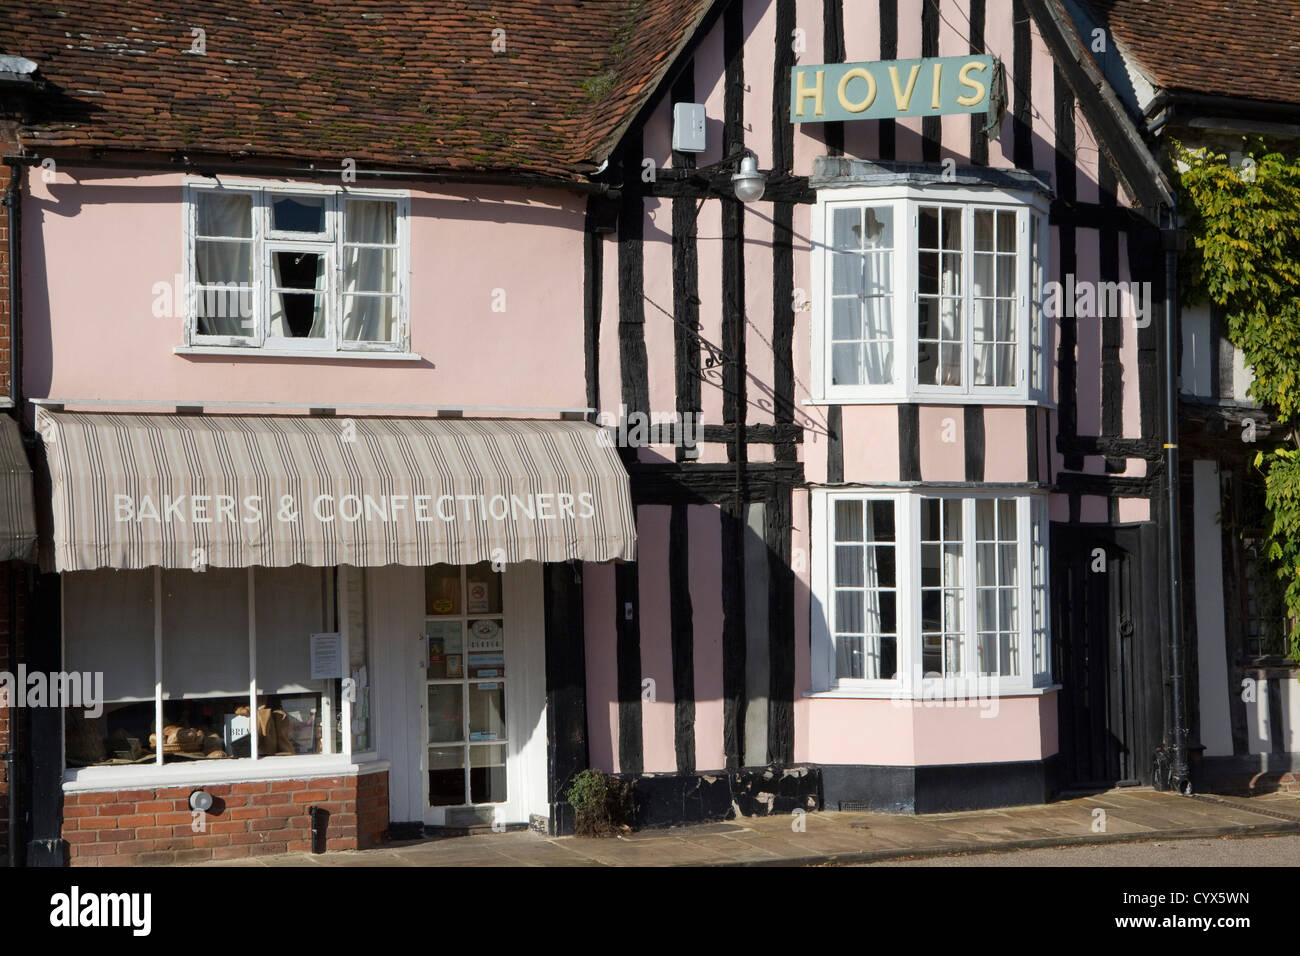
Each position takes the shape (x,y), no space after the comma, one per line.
(385,82)
(1242,48)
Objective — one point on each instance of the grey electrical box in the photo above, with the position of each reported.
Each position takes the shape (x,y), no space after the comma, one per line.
(688,127)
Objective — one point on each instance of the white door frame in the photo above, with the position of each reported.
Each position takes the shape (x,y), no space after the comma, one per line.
(525,679)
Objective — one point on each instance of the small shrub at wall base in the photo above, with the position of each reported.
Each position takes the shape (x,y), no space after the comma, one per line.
(602,805)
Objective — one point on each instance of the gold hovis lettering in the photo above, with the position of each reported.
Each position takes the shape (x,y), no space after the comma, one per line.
(327,508)
(933,86)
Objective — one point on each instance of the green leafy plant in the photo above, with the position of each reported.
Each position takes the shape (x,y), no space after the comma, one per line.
(602,804)
(1244,220)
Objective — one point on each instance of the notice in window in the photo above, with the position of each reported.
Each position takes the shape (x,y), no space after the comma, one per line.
(326,656)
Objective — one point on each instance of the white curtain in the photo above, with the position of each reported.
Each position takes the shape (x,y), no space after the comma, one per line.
(108,627)
(290,608)
(205,633)
(369,317)
(226,265)
(871,621)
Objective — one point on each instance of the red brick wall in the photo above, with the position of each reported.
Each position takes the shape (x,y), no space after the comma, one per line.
(153,827)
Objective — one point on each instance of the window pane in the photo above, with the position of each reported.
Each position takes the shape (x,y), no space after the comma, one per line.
(297,315)
(122,653)
(370,220)
(879,227)
(846,228)
(877,318)
(983,230)
(928,228)
(224,214)
(950,361)
(1006,231)
(846,274)
(205,678)
(848,656)
(369,270)
(227,263)
(848,566)
(848,612)
(951,220)
(983,274)
(848,521)
(1006,276)
(370,318)
(487,774)
(846,319)
(882,521)
(446,776)
(298,214)
(446,717)
(846,364)
(298,270)
(225,311)
(442,589)
(487,711)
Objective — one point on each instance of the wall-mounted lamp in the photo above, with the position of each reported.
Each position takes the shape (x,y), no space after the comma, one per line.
(748,182)
(201,800)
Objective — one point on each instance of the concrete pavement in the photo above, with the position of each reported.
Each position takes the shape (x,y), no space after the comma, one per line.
(1117,816)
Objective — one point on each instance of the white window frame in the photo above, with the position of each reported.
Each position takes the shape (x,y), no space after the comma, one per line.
(1031,329)
(1031,555)
(331,244)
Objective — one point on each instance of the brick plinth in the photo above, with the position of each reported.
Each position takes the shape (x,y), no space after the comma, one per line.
(155,827)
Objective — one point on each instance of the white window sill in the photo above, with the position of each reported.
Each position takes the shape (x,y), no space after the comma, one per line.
(853,693)
(323,354)
(931,398)
(198,773)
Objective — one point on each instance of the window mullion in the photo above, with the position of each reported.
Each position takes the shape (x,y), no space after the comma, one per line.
(971,661)
(967,301)
(1025,527)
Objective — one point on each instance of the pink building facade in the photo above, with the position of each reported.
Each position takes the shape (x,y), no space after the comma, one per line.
(902,484)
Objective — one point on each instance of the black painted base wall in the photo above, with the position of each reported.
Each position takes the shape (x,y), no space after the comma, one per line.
(670,799)
(937,789)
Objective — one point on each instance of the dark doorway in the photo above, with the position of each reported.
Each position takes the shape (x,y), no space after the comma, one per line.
(1106,624)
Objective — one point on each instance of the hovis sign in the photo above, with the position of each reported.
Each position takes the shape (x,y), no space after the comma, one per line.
(825,92)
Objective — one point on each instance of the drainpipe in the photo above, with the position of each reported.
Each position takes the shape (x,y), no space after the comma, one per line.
(13,203)
(1179,775)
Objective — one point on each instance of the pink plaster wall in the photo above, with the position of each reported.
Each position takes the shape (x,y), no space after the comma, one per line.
(657,722)
(942,460)
(870,442)
(929,733)
(600,644)
(704,525)
(1005,456)
(88,295)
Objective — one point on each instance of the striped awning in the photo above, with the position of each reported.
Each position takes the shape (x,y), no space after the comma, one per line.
(17,504)
(190,491)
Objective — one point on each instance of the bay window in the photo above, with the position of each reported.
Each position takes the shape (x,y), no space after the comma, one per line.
(928,292)
(921,590)
(301,269)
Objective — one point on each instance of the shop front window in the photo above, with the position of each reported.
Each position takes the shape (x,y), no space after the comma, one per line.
(215,665)
(466,685)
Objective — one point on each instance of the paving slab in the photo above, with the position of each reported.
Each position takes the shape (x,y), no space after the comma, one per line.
(841,837)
